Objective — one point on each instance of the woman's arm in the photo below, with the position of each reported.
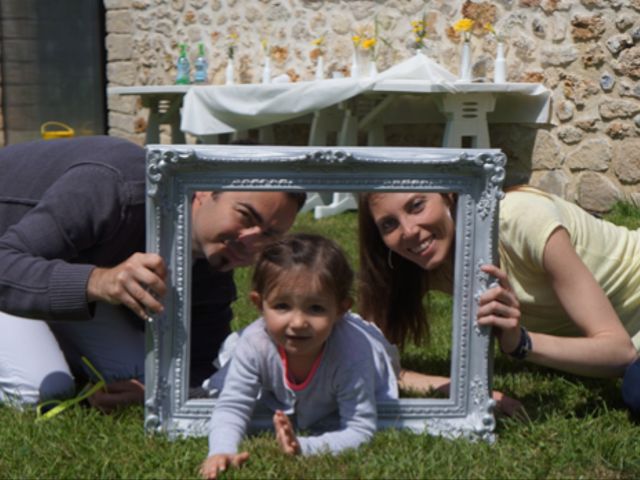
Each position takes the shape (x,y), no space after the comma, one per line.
(606,348)
(423,383)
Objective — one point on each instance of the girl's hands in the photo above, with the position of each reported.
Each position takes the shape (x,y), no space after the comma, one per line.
(500,309)
(285,435)
(216,464)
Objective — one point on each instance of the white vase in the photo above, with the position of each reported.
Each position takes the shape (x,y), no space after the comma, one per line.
(319,68)
(465,63)
(355,67)
(228,73)
(500,68)
(266,70)
(373,68)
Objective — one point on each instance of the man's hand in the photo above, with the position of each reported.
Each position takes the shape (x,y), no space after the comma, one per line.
(216,464)
(117,394)
(137,283)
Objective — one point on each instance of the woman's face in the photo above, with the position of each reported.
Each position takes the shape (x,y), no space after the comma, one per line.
(417,226)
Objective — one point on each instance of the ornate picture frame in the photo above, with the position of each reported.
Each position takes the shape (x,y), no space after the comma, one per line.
(174,172)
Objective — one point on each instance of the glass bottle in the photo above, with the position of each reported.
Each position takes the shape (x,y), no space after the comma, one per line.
(201,66)
(183,76)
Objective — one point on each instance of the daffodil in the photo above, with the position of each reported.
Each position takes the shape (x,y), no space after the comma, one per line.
(368,43)
(464,26)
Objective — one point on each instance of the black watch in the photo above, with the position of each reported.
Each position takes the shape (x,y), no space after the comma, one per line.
(524,345)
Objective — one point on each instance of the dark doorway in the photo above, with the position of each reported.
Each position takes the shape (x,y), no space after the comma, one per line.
(53,66)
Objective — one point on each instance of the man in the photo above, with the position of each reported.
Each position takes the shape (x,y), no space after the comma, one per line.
(72,237)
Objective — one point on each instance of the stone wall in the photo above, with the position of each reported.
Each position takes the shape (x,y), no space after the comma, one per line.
(587,52)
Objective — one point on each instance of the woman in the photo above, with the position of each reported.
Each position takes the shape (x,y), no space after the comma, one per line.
(570,278)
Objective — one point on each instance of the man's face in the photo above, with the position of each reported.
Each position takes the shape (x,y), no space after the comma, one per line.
(230,229)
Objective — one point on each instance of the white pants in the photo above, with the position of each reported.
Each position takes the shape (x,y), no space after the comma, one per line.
(37,358)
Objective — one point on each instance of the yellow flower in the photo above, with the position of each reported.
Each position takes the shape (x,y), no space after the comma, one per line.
(419,28)
(489,28)
(318,42)
(463,25)
(368,43)
(356,39)
(233,37)
(264,44)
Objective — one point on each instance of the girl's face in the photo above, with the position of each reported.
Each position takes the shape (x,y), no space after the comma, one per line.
(417,226)
(298,314)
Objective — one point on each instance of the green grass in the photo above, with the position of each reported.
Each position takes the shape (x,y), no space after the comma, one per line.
(576,428)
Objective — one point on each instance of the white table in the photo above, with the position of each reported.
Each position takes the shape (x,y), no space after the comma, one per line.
(345,107)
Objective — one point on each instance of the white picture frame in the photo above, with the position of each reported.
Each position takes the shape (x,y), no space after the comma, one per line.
(174,172)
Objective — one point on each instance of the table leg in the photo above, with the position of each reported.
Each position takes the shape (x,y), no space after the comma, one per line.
(467,119)
(153,122)
(348,136)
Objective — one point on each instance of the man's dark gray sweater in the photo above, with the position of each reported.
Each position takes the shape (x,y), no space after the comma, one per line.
(67,206)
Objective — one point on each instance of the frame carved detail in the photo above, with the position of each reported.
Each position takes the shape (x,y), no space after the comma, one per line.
(174,172)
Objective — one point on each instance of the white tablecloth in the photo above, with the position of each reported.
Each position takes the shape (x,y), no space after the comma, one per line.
(217,109)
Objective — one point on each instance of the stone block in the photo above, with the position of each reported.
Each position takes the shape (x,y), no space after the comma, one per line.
(594,155)
(547,154)
(115,4)
(119,21)
(611,108)
(554,181)
(121,121)
(122,73)
(118,46)
(626,162)
(597,193)
(628,62)
(127,104)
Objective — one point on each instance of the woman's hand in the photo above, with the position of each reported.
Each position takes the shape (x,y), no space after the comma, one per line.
(508,406)
(285,435)
(216,464)
(499,308)
(424,384)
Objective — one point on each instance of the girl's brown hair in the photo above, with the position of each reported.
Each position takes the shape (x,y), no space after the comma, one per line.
(322,257)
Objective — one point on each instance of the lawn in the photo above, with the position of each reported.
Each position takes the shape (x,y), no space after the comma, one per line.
(576,428)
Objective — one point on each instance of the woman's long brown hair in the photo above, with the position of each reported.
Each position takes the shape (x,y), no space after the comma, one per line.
(391,297)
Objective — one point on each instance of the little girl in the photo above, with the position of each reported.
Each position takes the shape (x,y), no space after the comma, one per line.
(307,358)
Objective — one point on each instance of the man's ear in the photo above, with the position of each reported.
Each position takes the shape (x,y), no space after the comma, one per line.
(256,299)
(345,305)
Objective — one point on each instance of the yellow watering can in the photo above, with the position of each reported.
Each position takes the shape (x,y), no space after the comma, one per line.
(51,130)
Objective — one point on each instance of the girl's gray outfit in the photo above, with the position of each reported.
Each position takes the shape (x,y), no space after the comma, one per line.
(358,368)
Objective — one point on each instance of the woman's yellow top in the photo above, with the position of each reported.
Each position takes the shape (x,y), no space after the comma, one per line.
(610,252)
